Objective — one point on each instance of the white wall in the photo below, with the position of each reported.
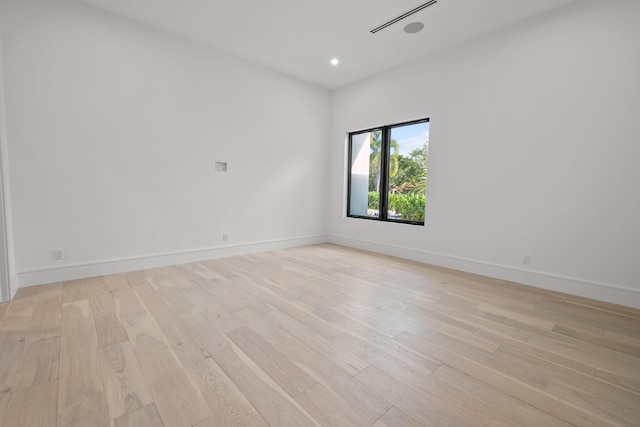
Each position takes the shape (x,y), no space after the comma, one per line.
(533,150)
(113,132)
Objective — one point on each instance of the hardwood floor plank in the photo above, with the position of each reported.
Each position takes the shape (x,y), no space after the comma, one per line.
(495,377)
(227,404)
(344,359)
(489,323)
(39,363)
(90,411)
(147,416)
(219,269)
(615,309)
(143,332)
(136,278)
(47,314)
(35,406)
(233,295)
(473,340)
(218,315)
(116,282)
(109,330)
(590,354)
(566,374)
(193,272)
(177,401)
(177,300)
(396,417)
(533,321)
(540,351)
(409,400)
(286,374)
(177,336)
(40,358)
(562,310)
(420,316)
(4,402)
(81,400)
(605,406)
(377,319)
(381,358)
(606,318)
(273,404)
(502,402)
(363,400)
(611,340)
(74,290)
(291,287)
(209,422)
(379,339)
(269,331)
(124,384)
(328,409)
(508,360)
(632,384)
(14,329)
(169,278)
(3,308)
(261,289)
(436,391)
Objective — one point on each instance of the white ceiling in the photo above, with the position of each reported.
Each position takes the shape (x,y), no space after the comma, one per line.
(299,37)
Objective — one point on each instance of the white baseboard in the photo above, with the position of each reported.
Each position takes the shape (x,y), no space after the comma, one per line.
(574,286)
(99,268)
(569,285)
(14,284)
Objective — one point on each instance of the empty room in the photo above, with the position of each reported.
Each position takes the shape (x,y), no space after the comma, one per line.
(331,213)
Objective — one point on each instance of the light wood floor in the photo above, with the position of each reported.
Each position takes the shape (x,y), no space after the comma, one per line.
(319,335)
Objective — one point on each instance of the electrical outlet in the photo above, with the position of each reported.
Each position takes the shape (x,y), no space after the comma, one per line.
(526,259)
(58,253)
(225,237)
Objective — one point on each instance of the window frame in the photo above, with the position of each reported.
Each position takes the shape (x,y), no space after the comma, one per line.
(385,150)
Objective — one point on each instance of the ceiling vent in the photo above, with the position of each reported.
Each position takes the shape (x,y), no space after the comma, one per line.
(404,15)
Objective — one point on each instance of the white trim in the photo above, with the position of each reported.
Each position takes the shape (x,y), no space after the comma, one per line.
(41,276)
(8,285)
(570,285)
(554,282)
(14,286)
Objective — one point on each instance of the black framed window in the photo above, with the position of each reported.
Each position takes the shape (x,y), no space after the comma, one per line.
(387,177)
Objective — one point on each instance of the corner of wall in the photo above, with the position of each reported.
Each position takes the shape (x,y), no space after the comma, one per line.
(8,278)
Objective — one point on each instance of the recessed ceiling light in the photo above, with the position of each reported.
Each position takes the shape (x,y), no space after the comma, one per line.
(335,62)
(414,27)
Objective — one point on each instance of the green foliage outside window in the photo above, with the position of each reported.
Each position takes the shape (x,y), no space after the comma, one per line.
(403,206)
(407,181)
(407,206)
(374,200)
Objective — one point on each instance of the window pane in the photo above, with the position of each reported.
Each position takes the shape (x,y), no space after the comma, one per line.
(408,154)
(365,173)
